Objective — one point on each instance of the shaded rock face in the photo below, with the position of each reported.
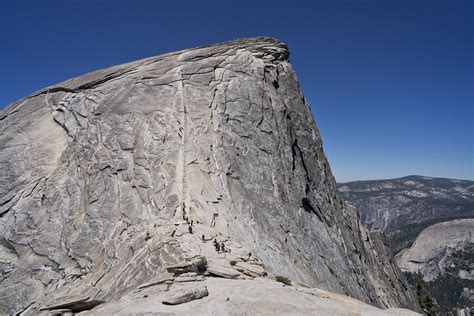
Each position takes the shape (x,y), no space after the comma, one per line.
(123,178)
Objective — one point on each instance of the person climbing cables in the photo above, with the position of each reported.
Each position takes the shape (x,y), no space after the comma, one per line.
(183,211)
(203,238)
(217,246)
(213,222)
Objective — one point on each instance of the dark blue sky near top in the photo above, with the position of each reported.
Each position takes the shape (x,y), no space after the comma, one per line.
(390,82)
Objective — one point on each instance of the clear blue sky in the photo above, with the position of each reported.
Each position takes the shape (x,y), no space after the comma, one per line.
(390,81)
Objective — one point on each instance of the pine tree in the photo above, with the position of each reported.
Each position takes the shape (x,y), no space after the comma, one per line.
(419,294)
(429,306)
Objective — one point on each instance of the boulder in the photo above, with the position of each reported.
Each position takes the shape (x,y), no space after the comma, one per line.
(186,295)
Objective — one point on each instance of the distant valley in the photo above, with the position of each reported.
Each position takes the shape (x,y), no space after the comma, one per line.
(403,207)
(428,223)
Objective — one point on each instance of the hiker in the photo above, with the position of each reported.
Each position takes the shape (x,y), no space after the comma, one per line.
(213,222)
(222,247)
(203,238)
(192,222)
(183,210)
(190,228)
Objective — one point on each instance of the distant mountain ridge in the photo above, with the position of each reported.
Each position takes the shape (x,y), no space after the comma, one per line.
(403,207)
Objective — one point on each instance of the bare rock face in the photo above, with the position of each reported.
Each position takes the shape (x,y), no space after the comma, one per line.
(431,251)
(442,260)
(137,175)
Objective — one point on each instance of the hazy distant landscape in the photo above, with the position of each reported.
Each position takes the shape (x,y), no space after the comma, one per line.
(440,209)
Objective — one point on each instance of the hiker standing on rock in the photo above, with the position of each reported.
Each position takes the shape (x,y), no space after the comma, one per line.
(213,222)
(183,211)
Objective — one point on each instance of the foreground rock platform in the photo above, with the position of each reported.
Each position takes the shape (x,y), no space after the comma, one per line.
(245,297)
(175,169)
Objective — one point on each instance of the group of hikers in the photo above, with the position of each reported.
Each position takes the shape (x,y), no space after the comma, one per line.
(186,218)
(220,246)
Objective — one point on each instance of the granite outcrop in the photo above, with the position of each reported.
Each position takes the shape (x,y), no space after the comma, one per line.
(176,170)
